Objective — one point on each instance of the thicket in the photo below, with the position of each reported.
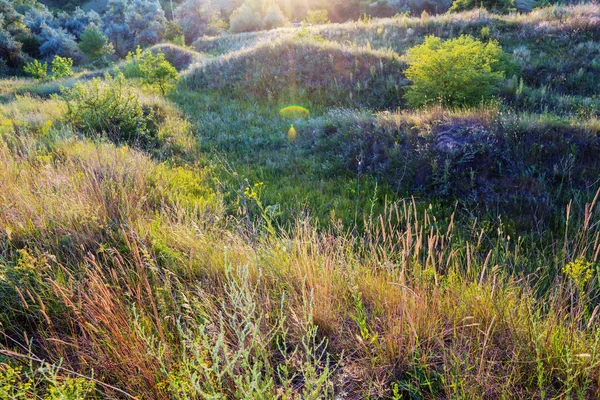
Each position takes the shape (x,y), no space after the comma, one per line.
(108,106)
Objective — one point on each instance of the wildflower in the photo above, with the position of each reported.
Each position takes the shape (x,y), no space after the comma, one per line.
(580,272)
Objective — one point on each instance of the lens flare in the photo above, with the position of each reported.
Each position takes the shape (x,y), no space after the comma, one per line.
(292,134)
(294,112)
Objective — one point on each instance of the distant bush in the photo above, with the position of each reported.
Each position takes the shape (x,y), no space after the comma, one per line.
(257,15)
(496,6)
(245,19)
(198,18)
(174,33)
(460,71)
(61,67)
(317,17)
(37,69)
(108,106)
(94,44)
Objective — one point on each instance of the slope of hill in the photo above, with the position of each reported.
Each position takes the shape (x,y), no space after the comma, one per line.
(198,246)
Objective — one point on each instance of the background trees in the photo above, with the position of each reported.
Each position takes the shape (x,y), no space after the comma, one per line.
(257,15)
(198,18)
(132,23)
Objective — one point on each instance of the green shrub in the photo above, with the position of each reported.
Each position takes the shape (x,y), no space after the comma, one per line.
(461,71)
(133,66)
(153,69)
(107,106)
(94,44)
(496,6)
(158,72)
(62,67)
(317,17)
(37,69)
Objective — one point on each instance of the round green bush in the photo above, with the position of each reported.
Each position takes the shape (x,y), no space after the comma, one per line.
(457,72)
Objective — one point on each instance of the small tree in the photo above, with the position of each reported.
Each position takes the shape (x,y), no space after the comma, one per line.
(153,69)
(37,70)
(461,71)
(158,72)
(61,67)
(94,44)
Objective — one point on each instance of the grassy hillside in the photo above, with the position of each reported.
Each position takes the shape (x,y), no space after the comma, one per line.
(194,248)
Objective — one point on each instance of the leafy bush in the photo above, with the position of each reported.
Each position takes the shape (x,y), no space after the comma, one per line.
(460,71)
(158,72)
(94,44)
(317,17)
(154,69)
(496,6)
(37,69)
(107,106)
(256,15)
(61,67)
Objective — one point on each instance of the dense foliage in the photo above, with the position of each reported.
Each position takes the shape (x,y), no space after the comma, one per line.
(461,71)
